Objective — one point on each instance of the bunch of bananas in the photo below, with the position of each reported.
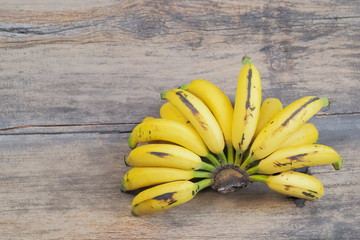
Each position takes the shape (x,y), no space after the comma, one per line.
(202,140)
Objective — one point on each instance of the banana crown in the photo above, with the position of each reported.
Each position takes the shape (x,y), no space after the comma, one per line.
(202,141)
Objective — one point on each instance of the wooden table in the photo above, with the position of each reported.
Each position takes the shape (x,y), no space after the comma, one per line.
(76,76)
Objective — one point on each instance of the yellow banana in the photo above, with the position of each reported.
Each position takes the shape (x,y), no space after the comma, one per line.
(269,109)
(294,184)
(140,177)
(166,196)
(306,134)
(218,103)
(247,107)
(169,111)
(198,120)
(168,130)
(166,155)
(296,157)
(200,117)
(146,119)
(283,125)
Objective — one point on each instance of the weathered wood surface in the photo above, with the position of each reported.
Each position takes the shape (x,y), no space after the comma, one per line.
(65,186)
(76,76)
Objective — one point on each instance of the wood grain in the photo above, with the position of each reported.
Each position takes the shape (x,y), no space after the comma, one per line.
(65,186)
(90,65)
(76,76)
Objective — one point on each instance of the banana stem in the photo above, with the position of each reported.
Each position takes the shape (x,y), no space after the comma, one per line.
(252,170)
(237,158)
(204,184)
(207,167)
(202,174)
(259,178)
(222,158)
(230,153)
(246,163)
(213,159)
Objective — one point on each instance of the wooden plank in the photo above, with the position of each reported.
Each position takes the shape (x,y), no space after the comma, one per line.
(74,64)
(65,186)
(75,78)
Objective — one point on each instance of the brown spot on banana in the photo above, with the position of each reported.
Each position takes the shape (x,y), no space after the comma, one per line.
(278,164)
(193,109)
(166,197)
(242,140)
(187,103)
(159,154)
(249,77)
(297,157)
(248,104)
(203,125)
(299,110)
(307,194)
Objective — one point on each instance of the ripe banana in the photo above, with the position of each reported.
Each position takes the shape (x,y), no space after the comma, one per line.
(146,119)
(198,120)
(306,134)
(166,196)
(283,125)
(296,157)
(218,103)
(169,111)
(200,117)
(168,130)
(247,107)
(139,177)
(269,109)
(294,184)
(166,155)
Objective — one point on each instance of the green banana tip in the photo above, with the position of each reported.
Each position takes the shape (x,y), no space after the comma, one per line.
(246,60)
(325,101)
(184,86)
(134,214)
(163,95)
(122,187)
(131,143)
(338,165)
(125,161)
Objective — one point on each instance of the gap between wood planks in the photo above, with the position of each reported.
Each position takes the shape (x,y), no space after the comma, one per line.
(98,127)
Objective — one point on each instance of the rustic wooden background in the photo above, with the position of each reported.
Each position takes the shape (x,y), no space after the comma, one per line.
(76,76)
